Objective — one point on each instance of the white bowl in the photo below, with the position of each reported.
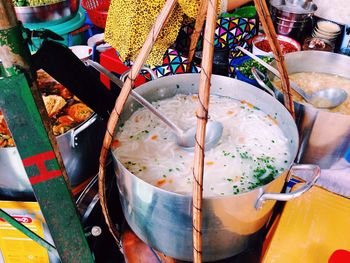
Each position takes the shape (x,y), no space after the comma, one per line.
(258,38)
(98,41)
(328,27)
(320,35)
(81,51)
(327,33)
(316,30)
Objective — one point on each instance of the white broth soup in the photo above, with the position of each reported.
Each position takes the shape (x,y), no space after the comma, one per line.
(315,81)
(251,152)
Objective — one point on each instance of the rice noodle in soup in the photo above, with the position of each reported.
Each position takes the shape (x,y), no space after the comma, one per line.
(314,81)
(251,152)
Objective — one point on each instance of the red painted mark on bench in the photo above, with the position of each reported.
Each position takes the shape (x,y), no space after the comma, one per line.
(39,161)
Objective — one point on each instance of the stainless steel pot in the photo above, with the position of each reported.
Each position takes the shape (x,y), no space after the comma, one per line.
(163,219)
(54,13)
(80,148)
(290,17)
(325,135)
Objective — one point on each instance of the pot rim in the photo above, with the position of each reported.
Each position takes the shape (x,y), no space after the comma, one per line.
(260,188)
(46,6)
(63,134)
(311,7)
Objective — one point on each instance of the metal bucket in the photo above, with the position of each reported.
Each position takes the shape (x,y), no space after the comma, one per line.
(163,219)
(325,135)
(290,17)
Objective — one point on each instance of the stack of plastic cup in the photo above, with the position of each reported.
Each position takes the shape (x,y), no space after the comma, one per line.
(326,30)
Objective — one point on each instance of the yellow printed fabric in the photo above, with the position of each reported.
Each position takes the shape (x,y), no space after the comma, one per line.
(129,22)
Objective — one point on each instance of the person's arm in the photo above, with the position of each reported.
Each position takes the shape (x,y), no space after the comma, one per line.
(232,4)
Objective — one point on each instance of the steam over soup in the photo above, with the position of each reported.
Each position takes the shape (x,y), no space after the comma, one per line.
(314,81)
(251,152)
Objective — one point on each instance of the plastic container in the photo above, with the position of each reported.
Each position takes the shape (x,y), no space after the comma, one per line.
(310,229)
(258,51)
(314,43)
(82,52)
(245,12)
(73,31)
(236,63)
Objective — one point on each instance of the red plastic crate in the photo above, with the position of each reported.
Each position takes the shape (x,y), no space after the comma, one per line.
(110,60)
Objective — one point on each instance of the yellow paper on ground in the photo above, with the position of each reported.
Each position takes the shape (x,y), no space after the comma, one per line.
(310,229)
(16,247)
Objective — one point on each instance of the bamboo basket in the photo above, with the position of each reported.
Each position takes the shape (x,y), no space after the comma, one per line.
(207,10)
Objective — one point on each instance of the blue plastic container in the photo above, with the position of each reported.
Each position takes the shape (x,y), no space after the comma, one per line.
(236,63)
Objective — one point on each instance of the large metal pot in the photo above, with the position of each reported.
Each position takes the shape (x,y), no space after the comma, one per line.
(54,13)
(325,135)
(80,148)
(163,219)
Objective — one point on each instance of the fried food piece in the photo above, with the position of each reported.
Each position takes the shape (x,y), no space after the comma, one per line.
(79,112)
(53,104)
(6,139)
(63,124)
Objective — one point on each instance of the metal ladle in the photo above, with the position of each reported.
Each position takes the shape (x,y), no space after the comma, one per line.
(185,139)
(325,98)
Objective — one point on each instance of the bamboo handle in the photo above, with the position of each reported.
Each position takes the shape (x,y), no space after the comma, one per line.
(128,85)
(197,31)
(202,117)
(270,32)
(7,17)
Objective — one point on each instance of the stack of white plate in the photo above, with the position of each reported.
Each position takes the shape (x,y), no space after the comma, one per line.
(326,30)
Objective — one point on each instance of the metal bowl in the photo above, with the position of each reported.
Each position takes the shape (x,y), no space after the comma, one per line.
(54,13)
(295,6)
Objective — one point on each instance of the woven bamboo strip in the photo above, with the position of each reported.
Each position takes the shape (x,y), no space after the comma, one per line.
(270,32)
(128,85)
(202,116)
(7,19)
(202,12)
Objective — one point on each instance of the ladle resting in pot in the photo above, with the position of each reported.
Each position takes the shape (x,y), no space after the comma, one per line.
(323,99)
(185,139)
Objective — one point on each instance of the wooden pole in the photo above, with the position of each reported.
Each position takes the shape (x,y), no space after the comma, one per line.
(202,117)
(128,85)
(7,15)
(202,12)
(270,32)
(14,57)
(26,116)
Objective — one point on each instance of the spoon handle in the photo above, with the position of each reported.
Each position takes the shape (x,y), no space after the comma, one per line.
(137,97)
(300,91)
(275,72)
